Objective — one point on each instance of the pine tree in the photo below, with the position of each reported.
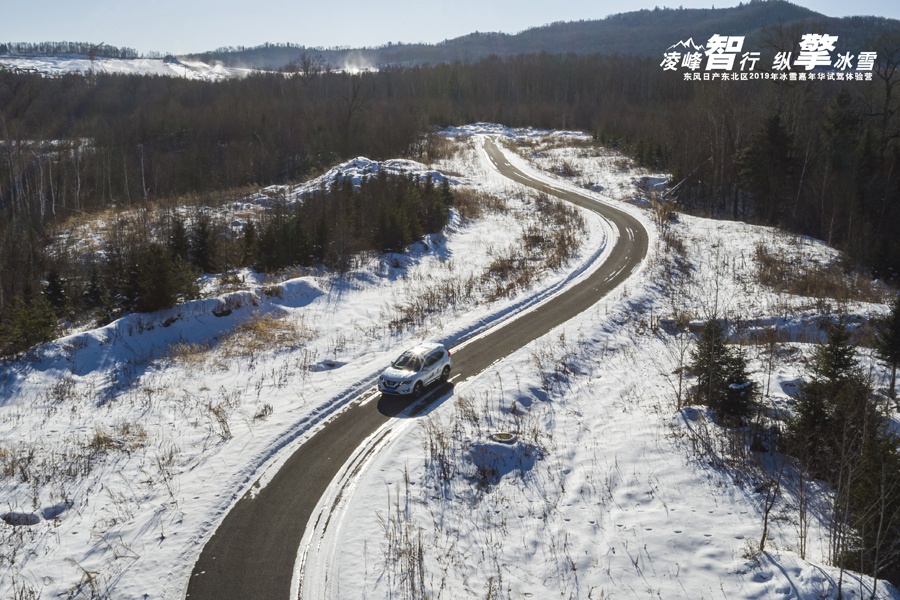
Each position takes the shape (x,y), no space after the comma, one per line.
(887,342)
(446,193)
(32,321)
(835,361)
(248,243)
(158,281)
(844,439)
(833,406)
(766,165)
(96,298)
(179,244)
(93,295)
(55,293)
(203,244)
(723,383)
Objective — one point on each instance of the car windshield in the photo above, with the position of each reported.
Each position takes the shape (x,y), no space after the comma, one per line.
(408,362)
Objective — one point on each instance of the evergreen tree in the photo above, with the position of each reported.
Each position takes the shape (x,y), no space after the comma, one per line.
(94,294)
(835,361)
(887,342)
(446,193)
(203,244)
(766,165)
(248,243)
(185,278)
(32,321)
(157,280)
(845,440)
(55,293)
(179,244)
(833,406)
(874,498)
(96,298)
(723,383)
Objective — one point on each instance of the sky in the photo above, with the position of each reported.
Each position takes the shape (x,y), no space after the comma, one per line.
(185,26)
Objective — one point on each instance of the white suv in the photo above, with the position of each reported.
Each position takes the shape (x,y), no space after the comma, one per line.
(415,369)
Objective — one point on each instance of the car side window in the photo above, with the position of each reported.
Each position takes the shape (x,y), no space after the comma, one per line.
(434,357)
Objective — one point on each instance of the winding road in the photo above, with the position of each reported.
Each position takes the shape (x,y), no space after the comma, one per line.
(252,553)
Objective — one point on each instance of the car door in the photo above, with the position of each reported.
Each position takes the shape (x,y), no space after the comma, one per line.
(432,366)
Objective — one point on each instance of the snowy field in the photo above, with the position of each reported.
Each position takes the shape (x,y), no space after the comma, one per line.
(123,447)
(609,489)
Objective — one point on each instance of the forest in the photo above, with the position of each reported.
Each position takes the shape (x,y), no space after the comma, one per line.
(57,48)
(815,157)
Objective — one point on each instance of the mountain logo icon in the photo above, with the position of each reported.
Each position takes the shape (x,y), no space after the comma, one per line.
(688,45)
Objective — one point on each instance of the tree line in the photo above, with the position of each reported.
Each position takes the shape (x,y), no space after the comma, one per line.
(56,48)
(815,157)
(150,260)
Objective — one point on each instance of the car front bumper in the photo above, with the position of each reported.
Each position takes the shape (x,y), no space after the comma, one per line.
(401,389)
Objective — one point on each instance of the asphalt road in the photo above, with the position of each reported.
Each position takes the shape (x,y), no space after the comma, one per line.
(252,553)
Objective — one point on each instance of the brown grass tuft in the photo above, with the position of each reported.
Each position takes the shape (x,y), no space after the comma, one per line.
(780,272)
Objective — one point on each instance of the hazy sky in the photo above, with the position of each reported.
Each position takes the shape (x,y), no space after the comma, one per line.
(196,25)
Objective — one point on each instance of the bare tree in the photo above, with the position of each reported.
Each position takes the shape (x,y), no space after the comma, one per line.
(803,499)
(308,66)
(773,489)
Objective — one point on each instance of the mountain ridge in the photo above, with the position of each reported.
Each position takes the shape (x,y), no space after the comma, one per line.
(642,33)
(648,33)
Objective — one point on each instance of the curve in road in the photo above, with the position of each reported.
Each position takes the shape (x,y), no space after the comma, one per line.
(253,551)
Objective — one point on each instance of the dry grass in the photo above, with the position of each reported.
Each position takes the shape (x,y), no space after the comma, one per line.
(566,169)
(549,240)
(793,275)
(190,354)
(264,332)
(472,204)
(124,436)
(273,291)
(7,462)
(435,147)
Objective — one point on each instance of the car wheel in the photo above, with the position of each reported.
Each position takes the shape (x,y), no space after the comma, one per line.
(445,374)
(417,390)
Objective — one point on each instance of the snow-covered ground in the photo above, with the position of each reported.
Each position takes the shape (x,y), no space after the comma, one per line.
(354,170)
(123,447)
(610,489)
(59,65)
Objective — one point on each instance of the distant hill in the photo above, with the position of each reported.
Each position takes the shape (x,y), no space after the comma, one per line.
(643,33)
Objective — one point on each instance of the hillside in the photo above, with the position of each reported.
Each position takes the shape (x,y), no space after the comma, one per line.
(642,33)
(638,33)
